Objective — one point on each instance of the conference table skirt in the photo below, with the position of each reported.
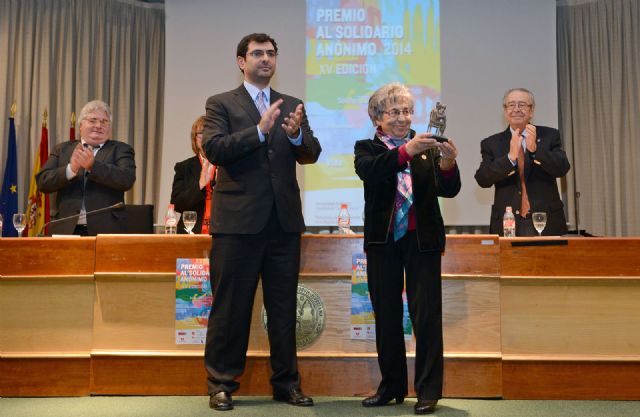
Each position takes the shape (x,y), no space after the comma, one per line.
(96,315)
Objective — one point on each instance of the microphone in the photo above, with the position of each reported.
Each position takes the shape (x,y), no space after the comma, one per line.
(75,216)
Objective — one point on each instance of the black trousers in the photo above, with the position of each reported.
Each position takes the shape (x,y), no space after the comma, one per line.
(237,261)
(386,267)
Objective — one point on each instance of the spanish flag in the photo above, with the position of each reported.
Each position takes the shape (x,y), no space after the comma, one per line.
(38,203)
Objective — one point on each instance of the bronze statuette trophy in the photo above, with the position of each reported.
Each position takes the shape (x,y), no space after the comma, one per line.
(438,122)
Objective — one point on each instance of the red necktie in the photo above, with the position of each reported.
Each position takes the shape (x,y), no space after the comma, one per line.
(524,201)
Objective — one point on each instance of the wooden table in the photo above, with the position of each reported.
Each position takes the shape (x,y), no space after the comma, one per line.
(82,316)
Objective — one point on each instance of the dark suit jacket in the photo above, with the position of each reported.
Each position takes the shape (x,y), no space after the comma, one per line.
(541,170)
(378,167)
(186,193)
(253,177)
(113,173)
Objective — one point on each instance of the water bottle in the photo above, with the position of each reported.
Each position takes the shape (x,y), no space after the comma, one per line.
(0,225)
(171,221)
(509,223)
(344,221)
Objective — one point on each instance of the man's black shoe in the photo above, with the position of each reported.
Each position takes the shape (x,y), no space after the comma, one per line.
(221,401)
(425,406)
(379,400)
(295,396)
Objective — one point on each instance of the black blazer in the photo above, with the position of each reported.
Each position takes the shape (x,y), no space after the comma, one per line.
(113,173)
(541,170)
(377,166)
(253,177)
(186,193)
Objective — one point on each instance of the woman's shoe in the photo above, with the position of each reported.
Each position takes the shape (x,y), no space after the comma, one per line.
(379,400)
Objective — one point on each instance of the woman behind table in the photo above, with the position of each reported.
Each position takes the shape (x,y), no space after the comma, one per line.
(404,173)
(193,183)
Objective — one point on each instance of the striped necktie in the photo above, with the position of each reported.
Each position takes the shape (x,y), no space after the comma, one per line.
(261,102)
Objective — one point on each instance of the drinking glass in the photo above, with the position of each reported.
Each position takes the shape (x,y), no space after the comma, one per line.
(539,221)
(19,222)
(189,220)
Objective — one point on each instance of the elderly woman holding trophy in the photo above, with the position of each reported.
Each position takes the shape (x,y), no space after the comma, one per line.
(404,173)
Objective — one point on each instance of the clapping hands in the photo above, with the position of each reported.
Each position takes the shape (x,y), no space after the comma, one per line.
(207,172)
(81,158)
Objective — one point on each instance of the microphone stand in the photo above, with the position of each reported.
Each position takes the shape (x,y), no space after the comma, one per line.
(75,216)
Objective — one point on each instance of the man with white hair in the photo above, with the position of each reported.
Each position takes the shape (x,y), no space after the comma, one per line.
(89,174)
(522,163)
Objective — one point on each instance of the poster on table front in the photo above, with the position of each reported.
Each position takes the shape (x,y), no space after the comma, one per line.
(193,300)
(363,322)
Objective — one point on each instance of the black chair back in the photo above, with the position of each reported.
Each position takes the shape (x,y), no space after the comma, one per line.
(138,219)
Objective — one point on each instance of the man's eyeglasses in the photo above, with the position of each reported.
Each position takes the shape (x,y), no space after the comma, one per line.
(258,53)
(519,105)
(395,113)
(94,122)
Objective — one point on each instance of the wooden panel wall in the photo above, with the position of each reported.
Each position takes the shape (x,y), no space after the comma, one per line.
(568,314)
(570,318)
(78,315)
(148,253)
(46,315)
(44,257)
(573,380)
(580,257)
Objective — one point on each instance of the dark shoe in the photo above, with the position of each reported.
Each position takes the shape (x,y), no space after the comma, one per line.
(295,396)
(378,400)
(221,401)
(425,406)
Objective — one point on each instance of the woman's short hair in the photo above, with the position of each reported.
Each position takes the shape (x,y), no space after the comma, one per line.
(93,106)
(197,126)
(385,97)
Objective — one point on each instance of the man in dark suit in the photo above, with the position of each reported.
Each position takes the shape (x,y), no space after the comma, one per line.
(89,174)
(523,163)
(255,136)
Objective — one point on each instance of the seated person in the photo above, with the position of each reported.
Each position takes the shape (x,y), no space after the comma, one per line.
(89,174)
(193,183)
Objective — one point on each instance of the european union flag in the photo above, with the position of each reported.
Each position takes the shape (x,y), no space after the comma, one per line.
(9,196)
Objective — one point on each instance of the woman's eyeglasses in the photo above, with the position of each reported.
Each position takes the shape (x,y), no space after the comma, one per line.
(395,113)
